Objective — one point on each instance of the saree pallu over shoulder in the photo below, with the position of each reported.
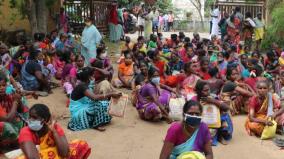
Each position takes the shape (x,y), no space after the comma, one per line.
(185,147)
(78,149)
(269,104)
(9,130)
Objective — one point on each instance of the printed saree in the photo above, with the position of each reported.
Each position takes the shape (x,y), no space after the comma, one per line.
(188,86)
(265,110)
(78,149)
(9,131)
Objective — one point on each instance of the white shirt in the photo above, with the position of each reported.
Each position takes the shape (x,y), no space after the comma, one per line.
(155,15)
(166,17)
(216,14)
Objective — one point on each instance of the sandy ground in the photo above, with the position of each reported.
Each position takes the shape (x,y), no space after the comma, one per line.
(132,138)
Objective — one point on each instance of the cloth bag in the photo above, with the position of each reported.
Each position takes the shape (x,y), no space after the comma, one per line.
(118,105)
(211,115)
(176,106)
(269,131)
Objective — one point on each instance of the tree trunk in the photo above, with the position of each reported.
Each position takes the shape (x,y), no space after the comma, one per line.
(42,12)
(37,15)
(201,18)
(32,17)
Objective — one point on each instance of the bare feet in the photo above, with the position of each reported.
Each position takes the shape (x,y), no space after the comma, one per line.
(223,141)
(100,128)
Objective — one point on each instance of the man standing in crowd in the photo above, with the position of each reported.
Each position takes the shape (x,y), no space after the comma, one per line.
(62,21)
(171,21)
(215,20)
(259,29)
(166,21)
(155,20)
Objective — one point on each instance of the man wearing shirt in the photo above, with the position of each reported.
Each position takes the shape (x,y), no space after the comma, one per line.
(166,21)
(155,20)
(171,20)
(215,20)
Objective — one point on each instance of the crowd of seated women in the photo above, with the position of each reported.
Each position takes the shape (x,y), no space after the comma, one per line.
(201,71)
(233,78)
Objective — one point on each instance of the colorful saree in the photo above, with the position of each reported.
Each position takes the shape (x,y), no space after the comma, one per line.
(237,105)
(262,111)
(188,86)
(145,104)
(185,147)
(9,131)
(127,72)
(78,149)
(87,113)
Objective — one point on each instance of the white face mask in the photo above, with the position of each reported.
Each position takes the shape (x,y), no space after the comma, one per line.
(104,55)
(35,125)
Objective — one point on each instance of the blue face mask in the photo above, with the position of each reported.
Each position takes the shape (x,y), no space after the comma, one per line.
(156,80)
(193,121)
(35,125)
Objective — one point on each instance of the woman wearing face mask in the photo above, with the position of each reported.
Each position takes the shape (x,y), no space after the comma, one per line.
(262,106)
(88,110)
(90,38)
(189,135)
(50,137)
(125,72)
(224,131)
(10,106)
(153,102)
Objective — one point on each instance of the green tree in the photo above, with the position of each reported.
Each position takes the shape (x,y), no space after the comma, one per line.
(36,11)
(275,30)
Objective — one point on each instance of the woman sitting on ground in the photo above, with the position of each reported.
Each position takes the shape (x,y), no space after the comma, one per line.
(42,130)
(153,102)
(88,110)
(107,69)
(214,82)
(101,76)
(32,77)
(10,106)
(175,65)
(244,92)
(186,86)
(69,73)
(126,72)
(139,81)
(189,135)
(224,132)
(262,106)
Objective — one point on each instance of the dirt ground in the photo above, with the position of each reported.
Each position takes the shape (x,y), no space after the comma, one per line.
(132,138)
